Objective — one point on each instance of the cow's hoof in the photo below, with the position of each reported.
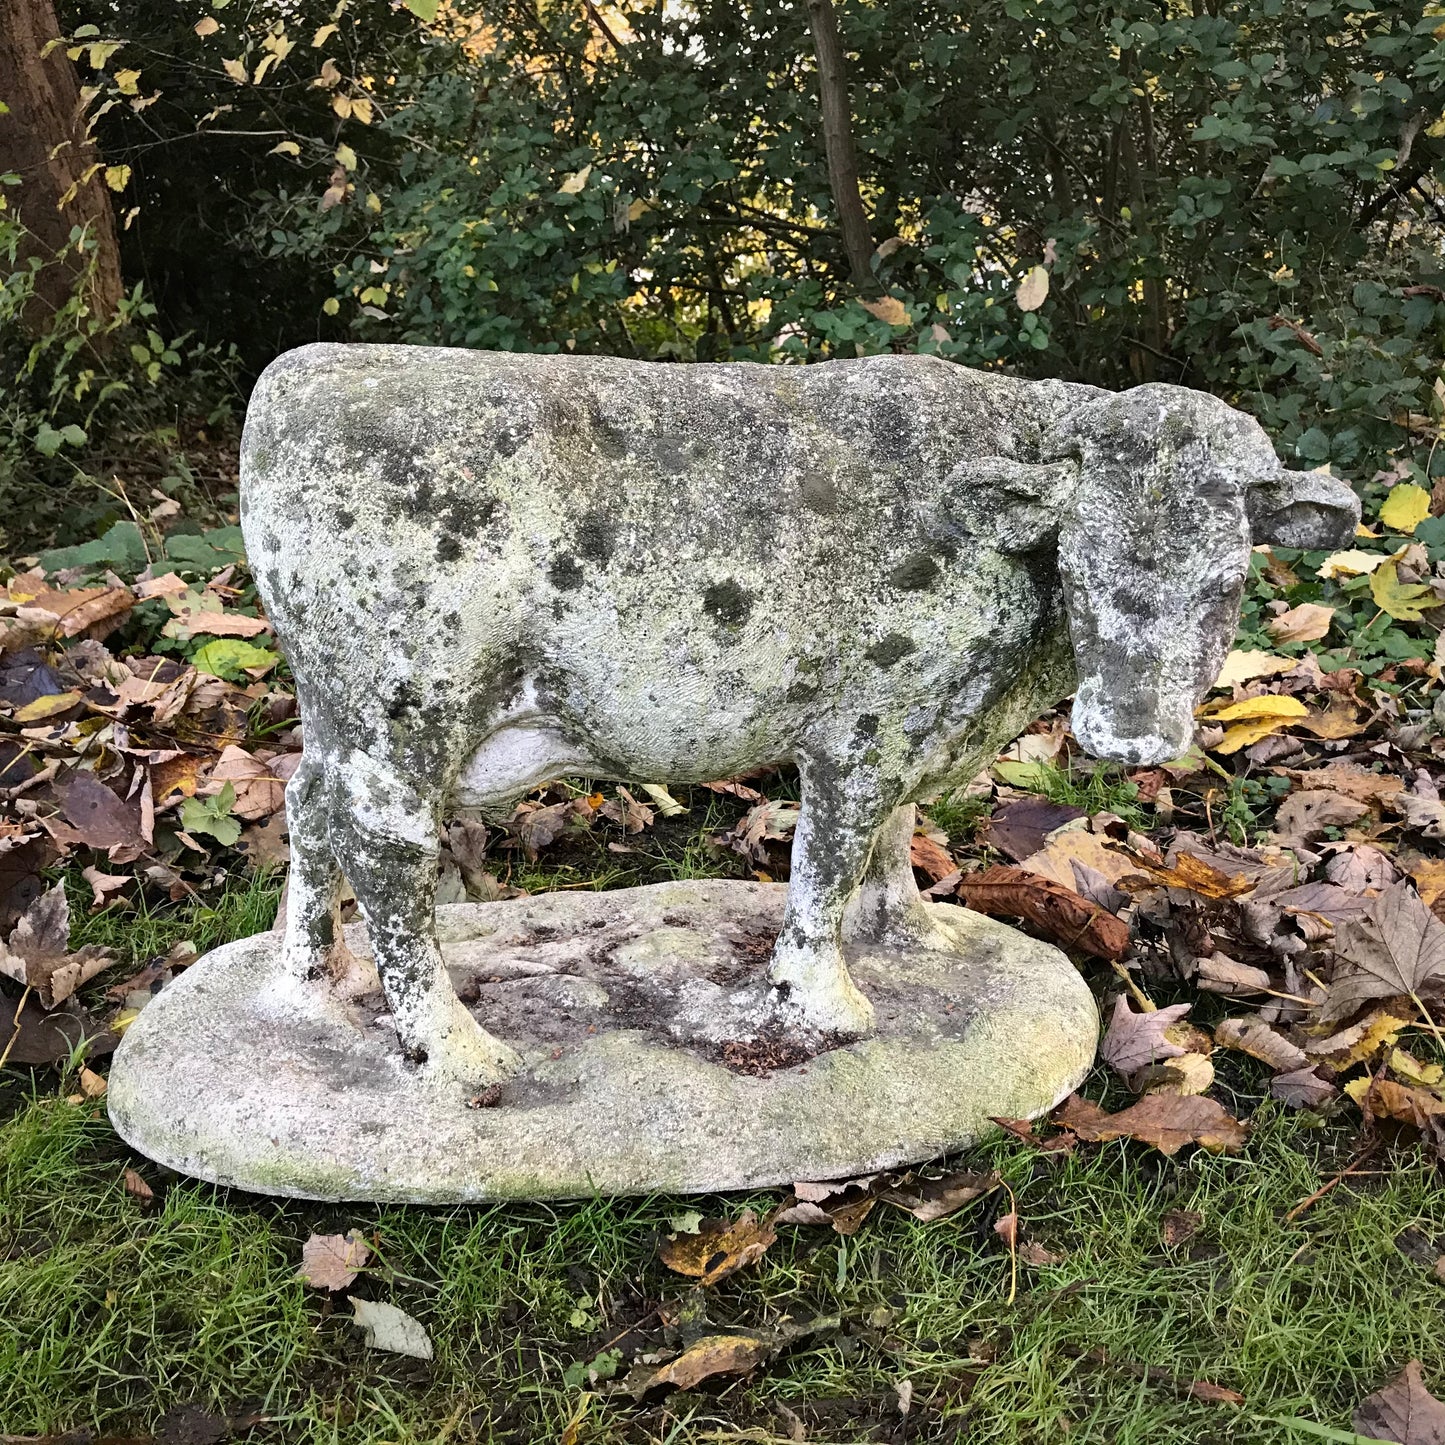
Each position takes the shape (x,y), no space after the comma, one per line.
(450,1047)
(812,995)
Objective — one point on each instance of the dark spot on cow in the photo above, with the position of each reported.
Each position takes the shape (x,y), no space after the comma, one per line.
(596,536)
(867,725)
(915,573)
(727,603)
(406,700)
(888,650)
(820,494)
(449,548)
(345,520)
(565,572)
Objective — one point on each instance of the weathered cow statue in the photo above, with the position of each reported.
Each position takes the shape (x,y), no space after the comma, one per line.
(492,570)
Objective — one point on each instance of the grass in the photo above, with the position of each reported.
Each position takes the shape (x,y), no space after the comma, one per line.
(114,1311)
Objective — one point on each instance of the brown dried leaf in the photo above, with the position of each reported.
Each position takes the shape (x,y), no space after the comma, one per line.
(1398,948)
(1022,828)
(1403,1411)
(104,884)
(1302,1088)
(1166,1121)
(930,1199)
(1305,815)
(1180,1225)
(1306,623)
(1361,1041)
(1196,874)
(712,1355)
(136,1187)
(1054,910)
(1218,973)
(1260,1042)
(1188,1074)
(1136,1040)
(719,1248)
(332,1261)
(931,857)
(94,611)
(101,818)
(37,954)
(260,787)
(1386,1099)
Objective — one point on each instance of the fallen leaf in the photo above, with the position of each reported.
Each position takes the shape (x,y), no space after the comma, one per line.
(1021,828)
(1270,705)
(930,1199)
(1353,781)
(1036,1256)
(1404,601)
(1218,973)
(1259,1041)
(260,787)
(1405,508)
(92,1085)
(1397,948)
(1052,908)
(52,1036)
(1242,667)
(100,818)
(719,1248)
(1386,1099)
(1166,1121)
(332,1261)
(666,804)
(1306,623)
(1359,1042)
(1352,563)
(931,857)
(93,611)
(1302,1089)
(1068,848)
(1188,1074)
(1006,1226)
(1306,814)
(390,1329)
(1135,1040)
(136,1187)
(1180,1225)
(1406,1067)
(1195,874)
(1403,1411)
(37,952)
(104,884)
(712,1355)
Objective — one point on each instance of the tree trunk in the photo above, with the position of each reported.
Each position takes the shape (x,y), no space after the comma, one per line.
(838,142)
(44,139)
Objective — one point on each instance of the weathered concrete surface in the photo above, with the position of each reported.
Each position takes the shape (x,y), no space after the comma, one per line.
(642,1024)
(488,570)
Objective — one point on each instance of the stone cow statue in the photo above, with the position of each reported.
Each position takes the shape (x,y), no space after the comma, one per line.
(490,570)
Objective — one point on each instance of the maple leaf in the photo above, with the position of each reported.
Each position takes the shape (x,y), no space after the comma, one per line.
(37,953)
(1167,1121)
(331,1261)
(1404,601)
(1397,948)
(1136,1040)
(1403,1411)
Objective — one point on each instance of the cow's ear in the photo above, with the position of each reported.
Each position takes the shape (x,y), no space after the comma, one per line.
(1001,503)
(1309,510)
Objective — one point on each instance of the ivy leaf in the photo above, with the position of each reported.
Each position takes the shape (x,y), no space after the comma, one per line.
(1402,600)
(229,657)
(1405,508)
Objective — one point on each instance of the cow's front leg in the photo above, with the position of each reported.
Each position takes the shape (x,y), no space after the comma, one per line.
(386,835)
(887,909)
(836,825)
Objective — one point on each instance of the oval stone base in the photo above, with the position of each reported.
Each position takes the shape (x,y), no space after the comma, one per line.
(653,1060)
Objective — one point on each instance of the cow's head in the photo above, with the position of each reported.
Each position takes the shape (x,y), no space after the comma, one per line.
(1158,493)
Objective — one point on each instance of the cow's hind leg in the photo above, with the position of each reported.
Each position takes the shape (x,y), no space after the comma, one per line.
(887,908)
(313,948)
(386,835)
(836,825)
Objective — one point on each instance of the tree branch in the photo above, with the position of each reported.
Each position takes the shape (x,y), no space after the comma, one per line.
(838,143)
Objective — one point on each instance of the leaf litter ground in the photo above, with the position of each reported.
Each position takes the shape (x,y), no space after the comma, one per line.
(1259,1254)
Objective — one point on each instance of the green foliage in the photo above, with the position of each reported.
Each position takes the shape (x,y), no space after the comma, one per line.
(212,816)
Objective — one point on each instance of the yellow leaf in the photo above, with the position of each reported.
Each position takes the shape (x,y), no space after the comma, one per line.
(208,26)
(1254,707)
(373,203)
(1246,666)
(1241,735)
(889,309)
(1033,289)
(341,105)
(346,156)
(1402,600)
(361,109)
(638,209)
(322,36)
(331,306)
(329,76)
(1405,508)
(117,177)
(574,183)
(285,148)
(1353,563)
(126,81)
(236,69)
